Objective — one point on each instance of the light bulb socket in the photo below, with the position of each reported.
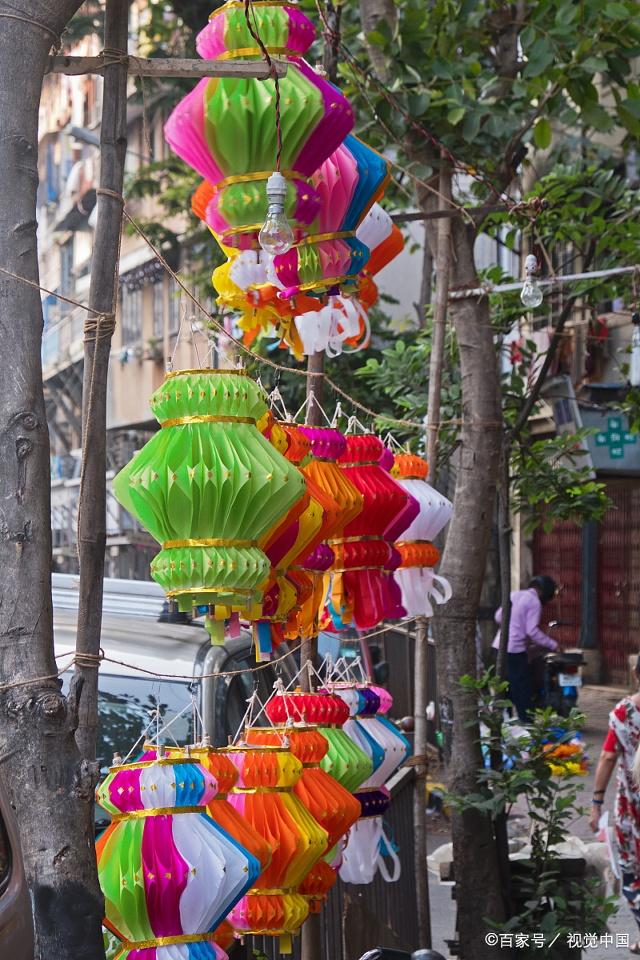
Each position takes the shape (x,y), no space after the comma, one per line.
(276,192)
(531,264)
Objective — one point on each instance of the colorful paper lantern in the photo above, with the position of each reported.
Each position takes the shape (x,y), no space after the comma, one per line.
(358,590)
(420,586)
(388,748)
(331,805)
(169,874)
(218,763)
(344,760)
(226,128)
(310,521)
(208,486)
(264,796)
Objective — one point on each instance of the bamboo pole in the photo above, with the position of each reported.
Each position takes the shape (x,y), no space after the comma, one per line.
(168,67)
(103,294)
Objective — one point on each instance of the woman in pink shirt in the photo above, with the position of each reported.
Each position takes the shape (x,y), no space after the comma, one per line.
(525,636)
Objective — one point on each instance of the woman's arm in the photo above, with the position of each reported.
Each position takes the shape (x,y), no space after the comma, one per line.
(606,766)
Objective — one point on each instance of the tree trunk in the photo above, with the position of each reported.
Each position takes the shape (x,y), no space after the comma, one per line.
(48,785)
(476,865)
(372,12)
(103,293)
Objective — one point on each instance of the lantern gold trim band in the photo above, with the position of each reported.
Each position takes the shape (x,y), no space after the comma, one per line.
(224,588)
(167,941)
(352,539)
(260,175)
(208,418)
(156,812)
(239,5)
(210,542)
(207,370)
(241,52)
(410,543)
(145,764)
(363,463)
(327,282)
(273,891)
(320,237)
(352,570)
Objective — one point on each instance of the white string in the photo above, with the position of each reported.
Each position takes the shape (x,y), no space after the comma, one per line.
(142,735)
(337,413)
(314,399)
(246,720)
(303,407)
(275,397)
(391,441)
(263,706)
(183,314)
(352,423)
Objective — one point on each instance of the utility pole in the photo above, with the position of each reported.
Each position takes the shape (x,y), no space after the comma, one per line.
(99,327)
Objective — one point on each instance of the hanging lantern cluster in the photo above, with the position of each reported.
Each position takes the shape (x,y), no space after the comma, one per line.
(264,795)
(360,589)
(208,486)
(334,808)
(388,749)
(420,586)
(308,523)
(298,272)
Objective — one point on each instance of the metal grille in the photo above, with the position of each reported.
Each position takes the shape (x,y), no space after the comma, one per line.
(619,582)
(558,554)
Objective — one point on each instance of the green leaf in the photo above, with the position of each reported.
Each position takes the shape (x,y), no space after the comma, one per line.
(542,134)
(455,116)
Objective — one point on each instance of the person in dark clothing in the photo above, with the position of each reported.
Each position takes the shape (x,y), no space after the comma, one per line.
(525,635)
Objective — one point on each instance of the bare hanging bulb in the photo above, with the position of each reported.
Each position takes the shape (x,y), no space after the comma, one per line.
(276,236)
(531,293)
(634,365)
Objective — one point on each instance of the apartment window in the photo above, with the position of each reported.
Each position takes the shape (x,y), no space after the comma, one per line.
(174,307)
(158,309)
(66,266)
(131,316)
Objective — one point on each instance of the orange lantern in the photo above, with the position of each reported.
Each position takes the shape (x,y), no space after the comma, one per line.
(264,796)
(329,803)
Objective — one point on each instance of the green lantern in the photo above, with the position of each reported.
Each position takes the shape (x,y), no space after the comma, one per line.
(207,487)
(344,759)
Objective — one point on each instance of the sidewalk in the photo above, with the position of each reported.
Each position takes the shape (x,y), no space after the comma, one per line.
(596,703)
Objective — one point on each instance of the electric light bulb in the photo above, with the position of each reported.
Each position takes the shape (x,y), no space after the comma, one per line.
(634,365)
(531,293)
(276,236)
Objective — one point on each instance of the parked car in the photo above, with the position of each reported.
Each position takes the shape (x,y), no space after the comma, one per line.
(16,927)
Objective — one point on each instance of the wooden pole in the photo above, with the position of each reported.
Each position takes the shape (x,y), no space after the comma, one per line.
(168,67)
(103,294)
(443,266)
(420,785)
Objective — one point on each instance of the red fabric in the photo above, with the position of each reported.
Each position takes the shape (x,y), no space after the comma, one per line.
(611,744)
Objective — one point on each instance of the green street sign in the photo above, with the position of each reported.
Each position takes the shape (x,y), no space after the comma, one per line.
(615,437)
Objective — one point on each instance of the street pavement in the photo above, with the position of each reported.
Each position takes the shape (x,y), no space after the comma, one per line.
(596,703)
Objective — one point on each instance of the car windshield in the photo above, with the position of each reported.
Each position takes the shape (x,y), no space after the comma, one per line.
(125,705)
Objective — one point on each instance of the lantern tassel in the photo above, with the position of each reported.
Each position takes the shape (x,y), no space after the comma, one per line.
(263,641)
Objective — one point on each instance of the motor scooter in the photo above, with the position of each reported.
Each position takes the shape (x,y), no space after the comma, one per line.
(559,679)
